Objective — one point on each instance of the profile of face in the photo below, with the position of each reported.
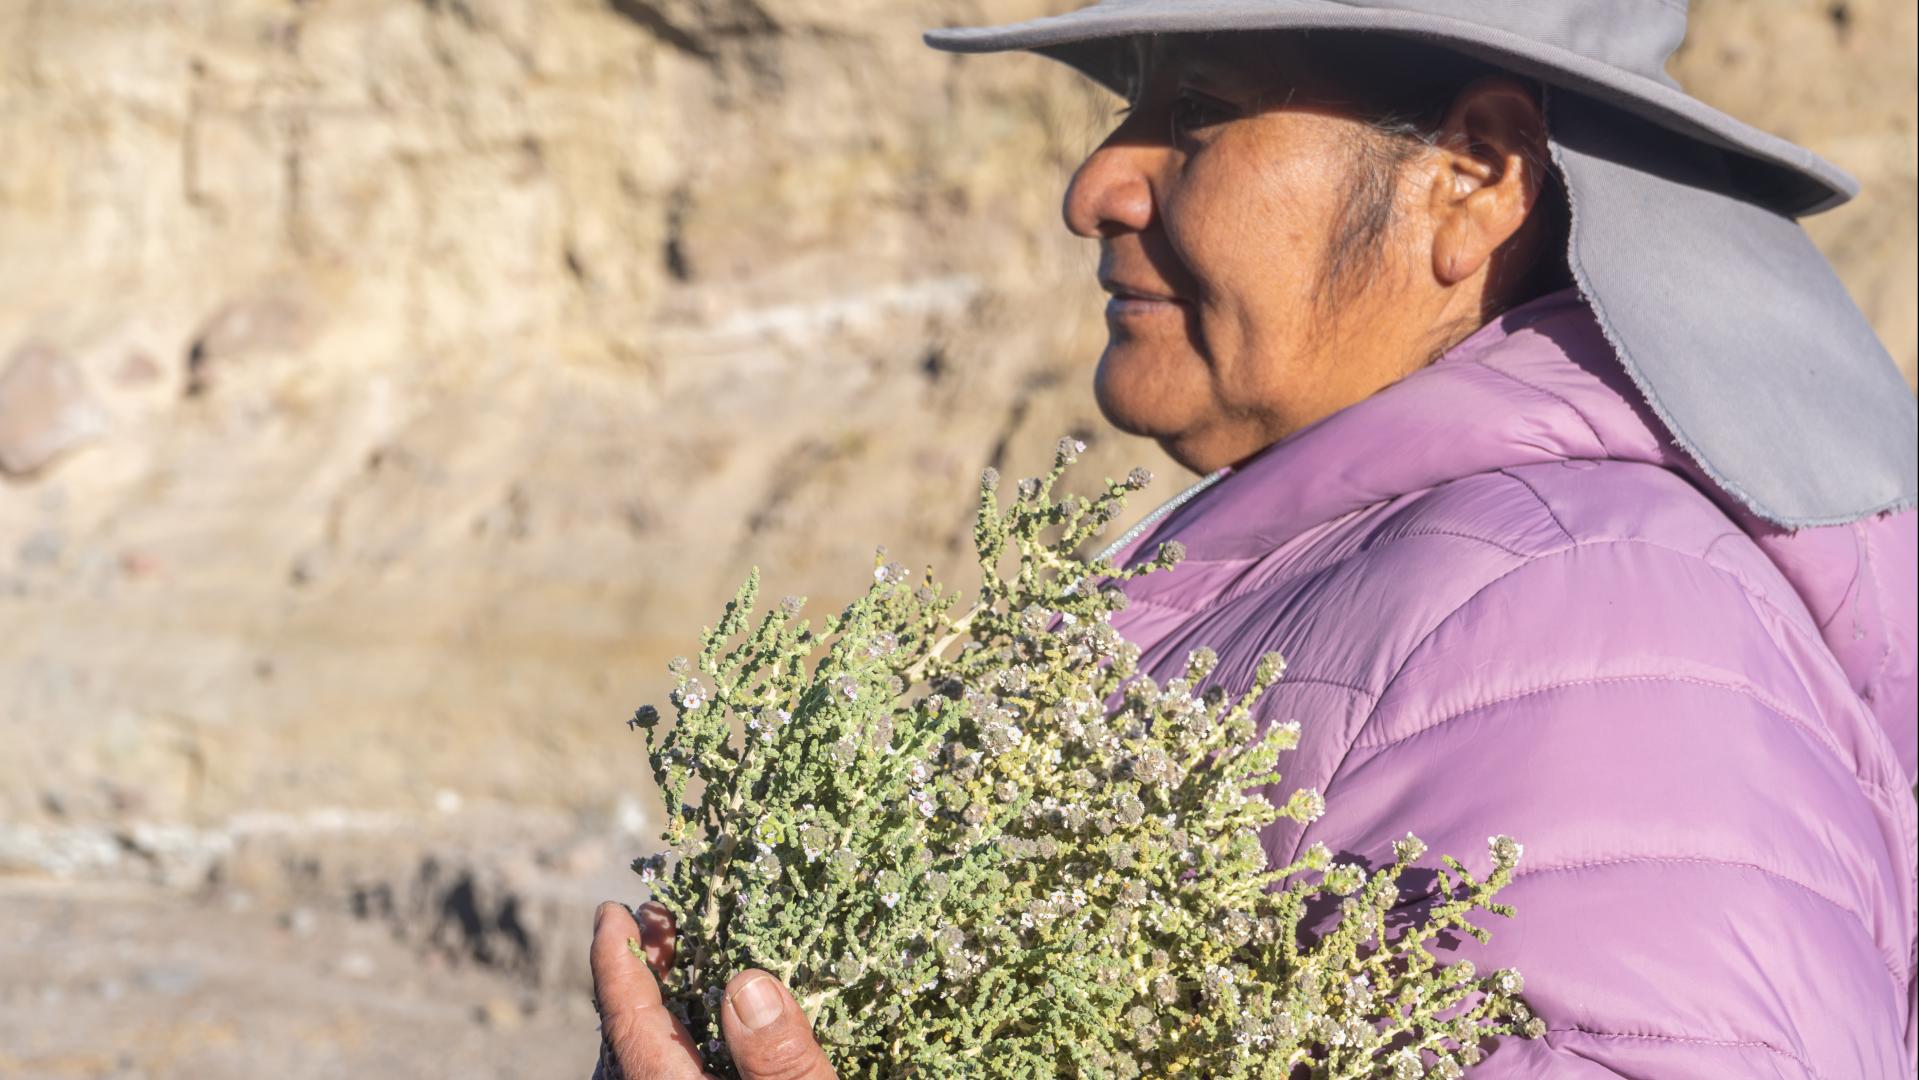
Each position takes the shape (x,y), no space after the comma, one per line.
(1224,205)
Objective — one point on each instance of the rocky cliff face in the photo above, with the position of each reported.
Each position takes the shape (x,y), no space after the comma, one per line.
(390,387)
(387,387)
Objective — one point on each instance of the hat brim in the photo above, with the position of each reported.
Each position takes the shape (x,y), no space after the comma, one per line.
(1772,171)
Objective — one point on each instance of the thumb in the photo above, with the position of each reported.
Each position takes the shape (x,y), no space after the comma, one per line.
(768,1033)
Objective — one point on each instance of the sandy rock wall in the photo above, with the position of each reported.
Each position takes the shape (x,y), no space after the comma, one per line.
(388,387)
(398,384)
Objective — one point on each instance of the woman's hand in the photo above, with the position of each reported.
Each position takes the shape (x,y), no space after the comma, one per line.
(765,1029)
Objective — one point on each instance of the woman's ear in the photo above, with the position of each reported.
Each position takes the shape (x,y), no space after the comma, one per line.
(1489,168)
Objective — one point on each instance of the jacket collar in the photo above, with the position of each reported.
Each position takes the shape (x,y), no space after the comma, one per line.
(1538,384)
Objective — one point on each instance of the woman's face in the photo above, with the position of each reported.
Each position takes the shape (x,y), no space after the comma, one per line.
(1217,203)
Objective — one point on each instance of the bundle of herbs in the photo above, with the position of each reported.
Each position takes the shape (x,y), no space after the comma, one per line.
(976,841)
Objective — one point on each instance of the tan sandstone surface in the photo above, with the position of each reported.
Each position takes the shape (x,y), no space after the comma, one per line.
(389,387)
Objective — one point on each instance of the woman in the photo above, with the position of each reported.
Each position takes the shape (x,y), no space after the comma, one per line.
(1592,528)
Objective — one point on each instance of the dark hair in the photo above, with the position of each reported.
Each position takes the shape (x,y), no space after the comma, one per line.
(1401,89)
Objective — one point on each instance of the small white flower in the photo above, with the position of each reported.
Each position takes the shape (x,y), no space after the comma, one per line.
(1309,804)
(1505,848)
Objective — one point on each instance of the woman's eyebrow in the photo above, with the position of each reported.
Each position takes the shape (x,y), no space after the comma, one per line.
(1207,73)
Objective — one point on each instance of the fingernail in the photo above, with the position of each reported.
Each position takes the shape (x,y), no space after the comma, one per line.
(758,1003)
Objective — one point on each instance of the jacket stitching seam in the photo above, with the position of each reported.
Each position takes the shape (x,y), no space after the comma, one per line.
(1706,553)
(1885,622)
(1753,595)
(1337,684)
(1444,620)
(1543,504)
(1700,554)
(1156,602)
(1824,621)
(1593,431)
(1816,635)
(1597,680)
(1892,966)
(1434,531)
(1746,690)
(1528,557)
(1729,1043)
(1895,791)
(1228,595)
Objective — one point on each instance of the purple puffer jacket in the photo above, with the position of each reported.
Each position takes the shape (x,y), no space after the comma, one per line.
(1508,607)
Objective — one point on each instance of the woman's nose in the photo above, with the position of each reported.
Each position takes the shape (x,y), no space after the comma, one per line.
(1110,194)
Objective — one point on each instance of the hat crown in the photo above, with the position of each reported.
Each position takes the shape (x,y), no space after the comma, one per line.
(1634,35)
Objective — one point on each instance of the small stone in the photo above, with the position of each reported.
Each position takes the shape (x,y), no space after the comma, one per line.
(42,547)
(499,1014)
(270,322)
(305,568)
(45,409)
(138,369)
(138,564)
(586,857)
(169,981)
(356,965)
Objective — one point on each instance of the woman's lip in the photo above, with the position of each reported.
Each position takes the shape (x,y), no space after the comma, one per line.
(1122,305)
(1120,290)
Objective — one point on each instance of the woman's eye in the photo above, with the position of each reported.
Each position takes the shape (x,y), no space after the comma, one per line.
(1195,112)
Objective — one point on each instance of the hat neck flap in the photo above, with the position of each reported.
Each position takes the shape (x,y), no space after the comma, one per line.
(1733,325)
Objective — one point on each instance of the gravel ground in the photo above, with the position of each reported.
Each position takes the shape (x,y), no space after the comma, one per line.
(132,981)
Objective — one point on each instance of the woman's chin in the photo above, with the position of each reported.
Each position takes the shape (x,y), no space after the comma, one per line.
(1147,393)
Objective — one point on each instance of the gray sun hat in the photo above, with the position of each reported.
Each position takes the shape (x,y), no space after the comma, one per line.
(1684,236)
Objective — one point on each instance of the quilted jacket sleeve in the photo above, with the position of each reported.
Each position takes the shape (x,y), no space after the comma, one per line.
(1718,869)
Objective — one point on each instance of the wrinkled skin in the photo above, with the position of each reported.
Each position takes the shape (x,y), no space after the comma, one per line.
(1215,204)
(764,1027)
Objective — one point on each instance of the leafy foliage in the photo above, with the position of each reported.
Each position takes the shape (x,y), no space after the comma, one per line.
(981,843)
